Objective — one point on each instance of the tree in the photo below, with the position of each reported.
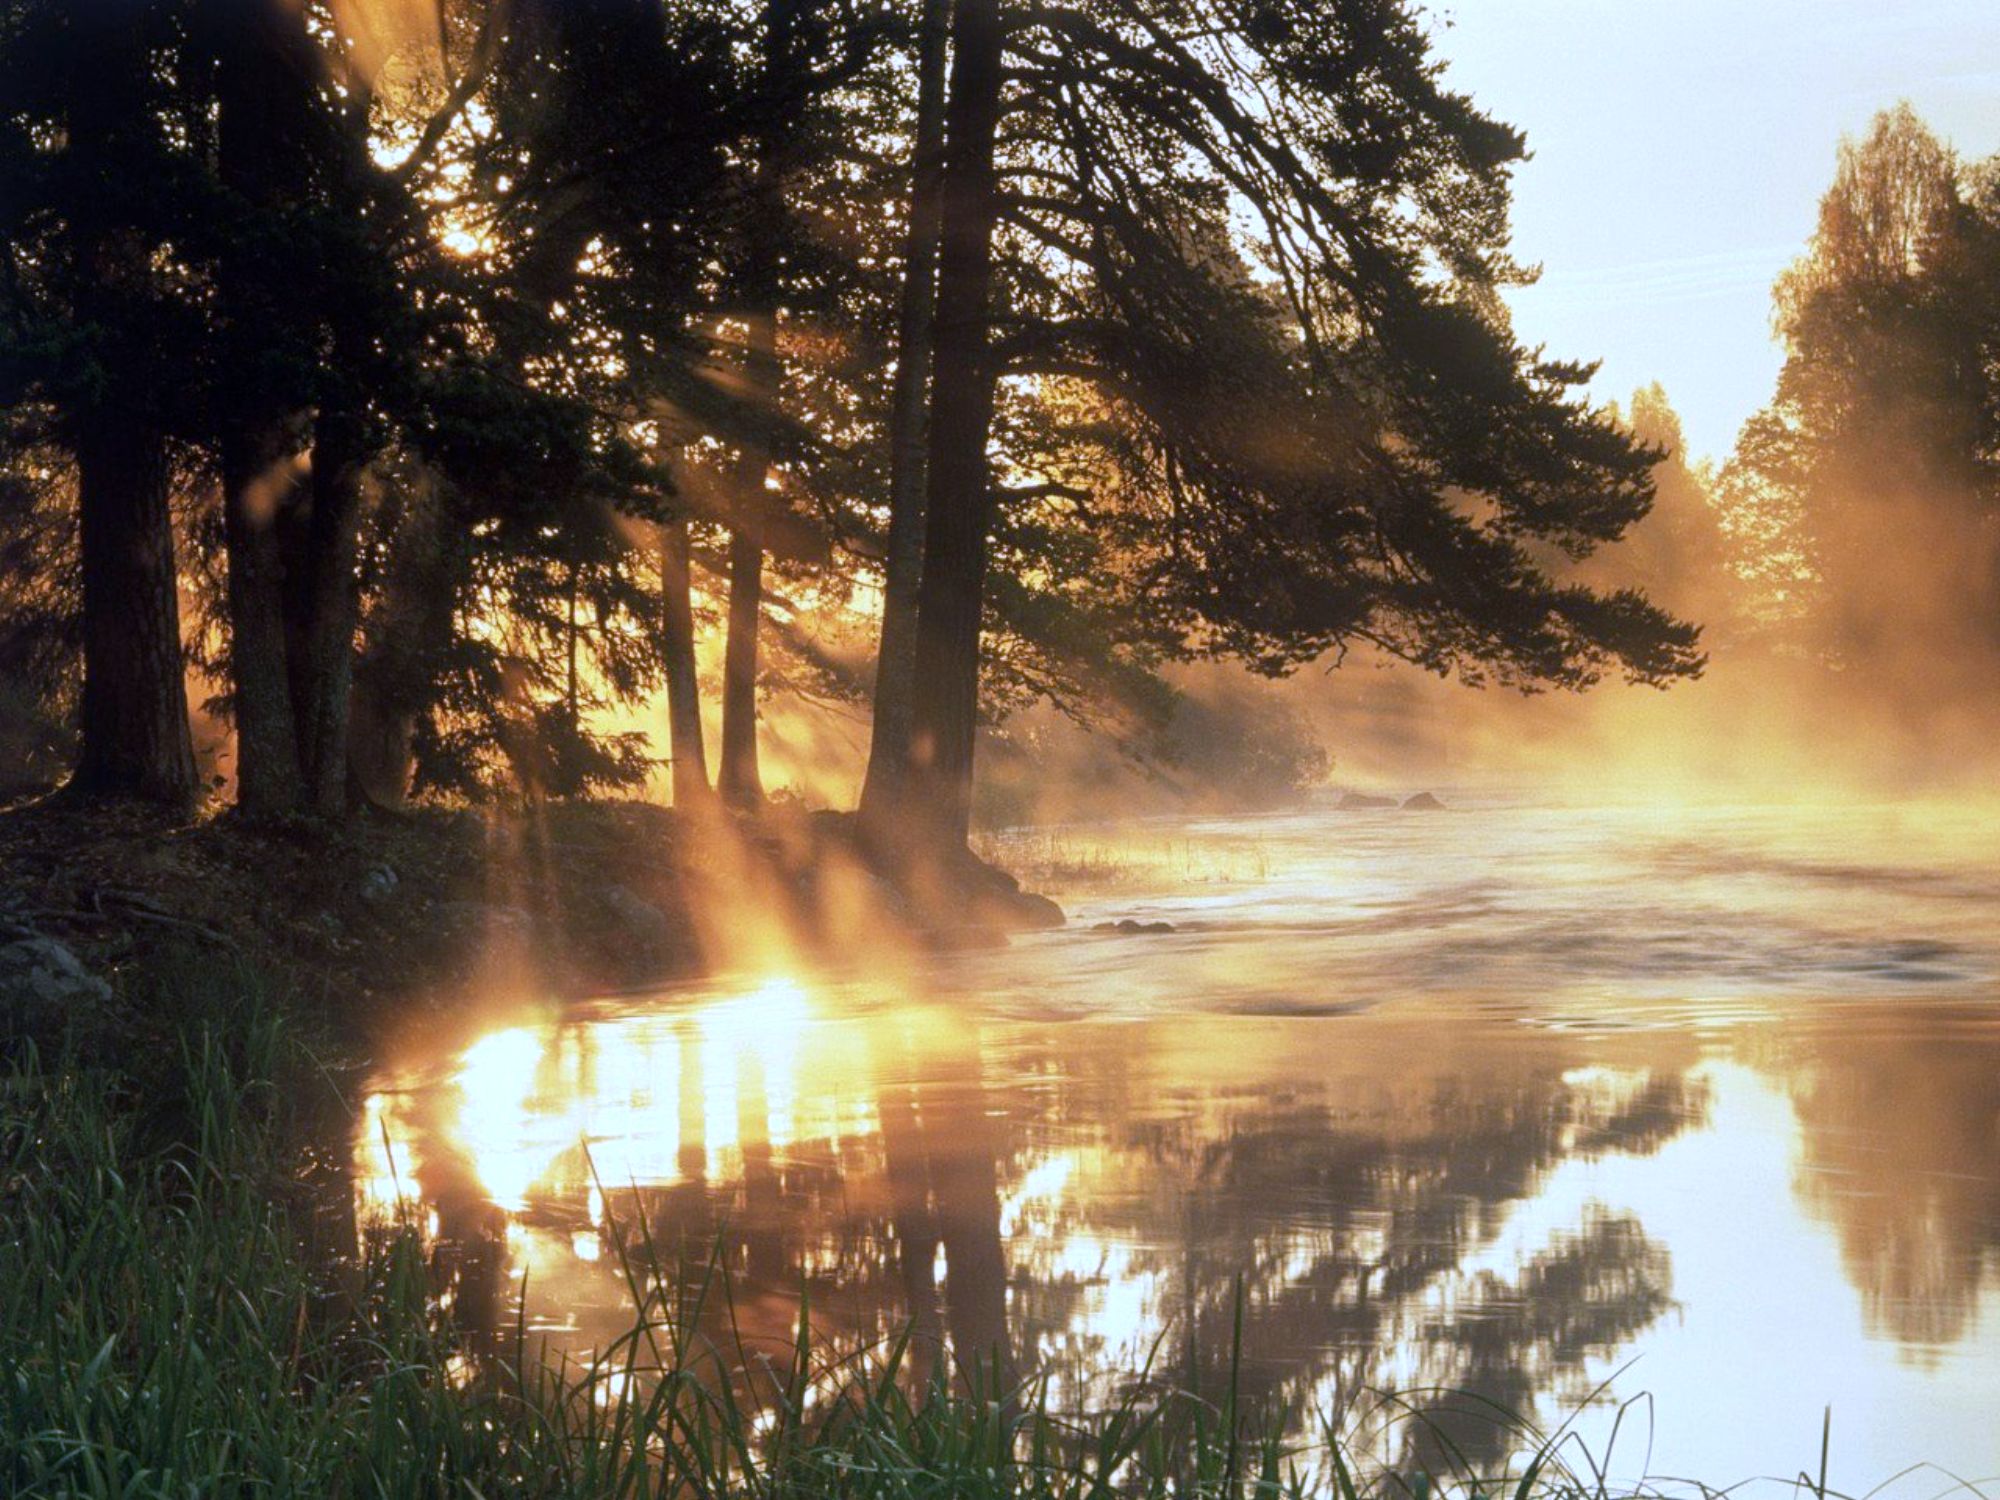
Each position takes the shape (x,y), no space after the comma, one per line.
(1870,480)
(1678,555)
(951,593)
(1316,430)
(92,195)
(909,442)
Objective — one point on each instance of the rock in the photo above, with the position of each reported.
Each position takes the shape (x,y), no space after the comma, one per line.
(377,884)
(1129,925)
(1423,802)
(44,987)
(1023,911)
(638,922)
(1362,802)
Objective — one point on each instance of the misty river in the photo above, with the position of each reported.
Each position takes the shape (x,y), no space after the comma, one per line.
(1553,1107)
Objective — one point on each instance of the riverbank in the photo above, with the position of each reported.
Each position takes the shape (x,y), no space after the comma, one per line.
(383,918)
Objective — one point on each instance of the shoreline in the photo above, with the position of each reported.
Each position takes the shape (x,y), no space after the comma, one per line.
(394,920)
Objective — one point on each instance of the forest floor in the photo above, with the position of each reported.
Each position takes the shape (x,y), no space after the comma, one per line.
(385,913)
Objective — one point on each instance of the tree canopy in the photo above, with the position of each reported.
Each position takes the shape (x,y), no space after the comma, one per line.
(427,380)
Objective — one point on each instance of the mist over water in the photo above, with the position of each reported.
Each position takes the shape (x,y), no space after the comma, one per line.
(1551,1105)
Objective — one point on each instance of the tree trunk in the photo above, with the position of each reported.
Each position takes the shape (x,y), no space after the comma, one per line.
(256,480)
(572,706)
(946,701)
(889,743)
(339,456)
(343,446)
(689,762)
(758,278)
(259,137)
(738,779)
(135,720)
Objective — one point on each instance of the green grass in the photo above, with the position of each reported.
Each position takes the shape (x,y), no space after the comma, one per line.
(182,1314)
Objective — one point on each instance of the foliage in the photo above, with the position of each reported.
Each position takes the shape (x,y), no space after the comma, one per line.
(1258,396)
(1870,486)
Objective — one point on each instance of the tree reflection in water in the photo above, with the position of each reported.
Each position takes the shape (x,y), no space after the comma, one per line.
(1900,1109)
(1077,1199)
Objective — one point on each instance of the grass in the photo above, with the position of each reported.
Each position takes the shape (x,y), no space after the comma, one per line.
(183,1314)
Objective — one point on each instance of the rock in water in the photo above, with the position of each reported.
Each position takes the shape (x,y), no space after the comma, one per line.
(43,987)
(1362,802)
(1423,802)
(1034,913)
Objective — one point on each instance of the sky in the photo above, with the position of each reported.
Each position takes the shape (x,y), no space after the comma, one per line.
(1679,152)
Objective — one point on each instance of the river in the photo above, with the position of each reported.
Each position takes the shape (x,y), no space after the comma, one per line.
(1677,1125)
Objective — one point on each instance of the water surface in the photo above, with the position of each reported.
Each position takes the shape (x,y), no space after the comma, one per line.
(1556,1106)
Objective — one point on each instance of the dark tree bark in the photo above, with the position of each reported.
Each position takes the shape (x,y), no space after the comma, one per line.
(321,708)
(946,701)
(685,753)
(135,739)
(256,481)
(135,720)
(260,83)
(895,667)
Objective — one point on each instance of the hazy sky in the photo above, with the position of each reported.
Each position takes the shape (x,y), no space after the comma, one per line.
(1680,148)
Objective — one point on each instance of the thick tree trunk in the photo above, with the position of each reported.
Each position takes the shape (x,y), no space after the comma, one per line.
(259,111)
(738,780)
(946,703)
(685,753)
(135,739)
(135,720)
(895,666)
(333,593)
(256,481)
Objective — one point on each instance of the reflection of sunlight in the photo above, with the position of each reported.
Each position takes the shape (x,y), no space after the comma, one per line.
(1479,1190)
(383,1178)
(1041,1187)
(526,1102)
(496,1079)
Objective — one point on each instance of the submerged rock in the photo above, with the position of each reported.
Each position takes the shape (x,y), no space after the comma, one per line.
(1129,925)
(1362,802)
(1423,802)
